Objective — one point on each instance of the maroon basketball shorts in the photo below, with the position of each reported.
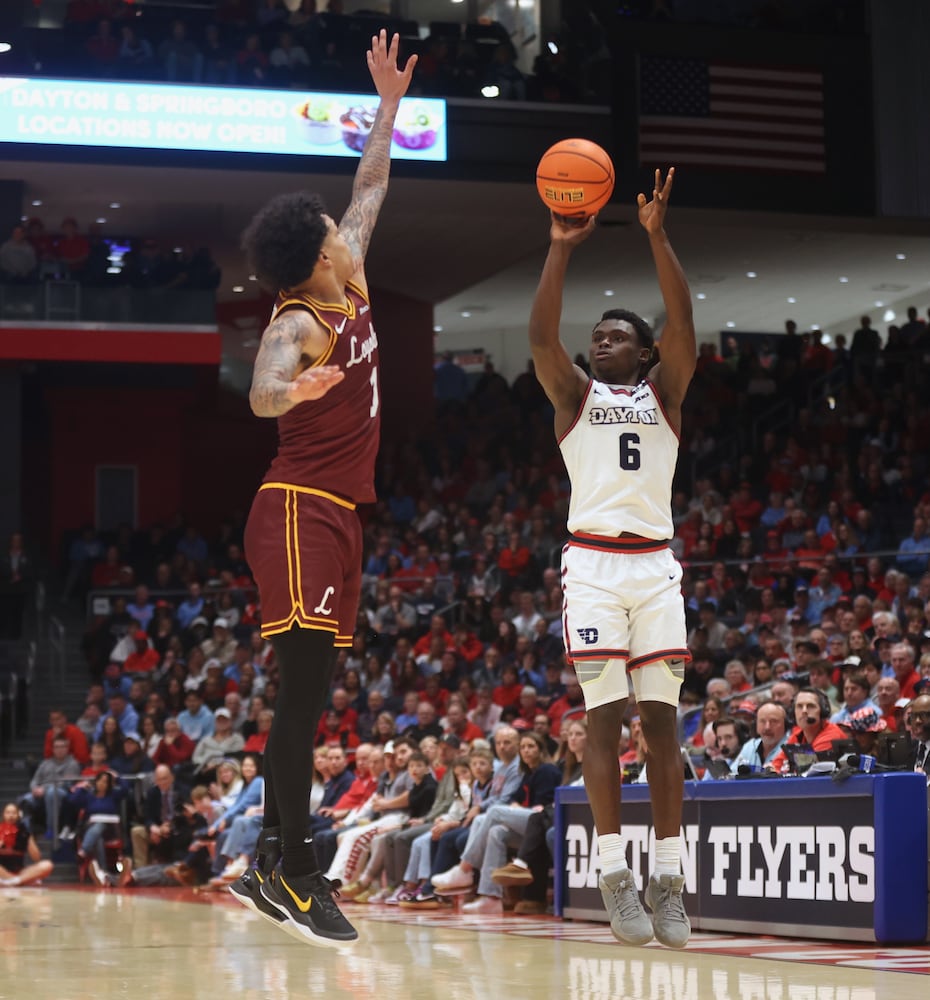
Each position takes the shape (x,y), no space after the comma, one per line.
(305,550)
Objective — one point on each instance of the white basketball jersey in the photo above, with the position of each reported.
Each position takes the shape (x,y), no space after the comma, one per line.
(620,453)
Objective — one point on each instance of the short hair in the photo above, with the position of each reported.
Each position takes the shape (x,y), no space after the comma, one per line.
(283,241)
(417,757)
(860,680)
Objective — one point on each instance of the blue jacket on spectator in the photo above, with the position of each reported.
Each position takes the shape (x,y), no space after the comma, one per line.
(196,726)
(251,795)
(128,721)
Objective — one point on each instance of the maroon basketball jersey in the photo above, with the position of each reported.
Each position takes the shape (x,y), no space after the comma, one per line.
(330,444)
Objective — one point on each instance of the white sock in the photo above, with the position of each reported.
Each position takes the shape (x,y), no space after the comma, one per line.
(668,856)
(520,863)
(612,850)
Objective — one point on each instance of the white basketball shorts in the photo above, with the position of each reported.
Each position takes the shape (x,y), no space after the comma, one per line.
(622,602)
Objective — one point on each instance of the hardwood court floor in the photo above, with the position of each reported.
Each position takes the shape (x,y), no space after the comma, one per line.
(78,944)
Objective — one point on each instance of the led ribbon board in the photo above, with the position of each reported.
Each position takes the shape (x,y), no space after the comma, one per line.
(211,119)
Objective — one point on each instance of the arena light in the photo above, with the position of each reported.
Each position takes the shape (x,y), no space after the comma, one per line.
(5,47)
(844,280)
(492,91)
(701,296)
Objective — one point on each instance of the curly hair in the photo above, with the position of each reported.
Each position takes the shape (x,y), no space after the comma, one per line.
(283,241)
(643,331)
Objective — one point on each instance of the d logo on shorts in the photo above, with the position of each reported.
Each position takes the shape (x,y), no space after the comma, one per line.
(588,636)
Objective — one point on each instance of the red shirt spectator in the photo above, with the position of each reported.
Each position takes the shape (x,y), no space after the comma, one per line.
(360,791)
(60,727)
(437,627)
(809,554)
(336,727)
(573,698)
(256,743)
(422,566)
(468,646)
(176,747)
(745,508)
(143,658)
(515,559)
(506,695)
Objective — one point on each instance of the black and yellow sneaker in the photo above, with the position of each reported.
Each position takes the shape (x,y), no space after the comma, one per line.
(309,911)
(247,889)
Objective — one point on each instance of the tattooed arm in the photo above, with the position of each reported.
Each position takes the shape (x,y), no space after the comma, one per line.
(371,177)
(278,384)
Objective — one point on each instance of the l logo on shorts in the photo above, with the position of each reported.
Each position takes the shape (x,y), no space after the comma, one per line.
(321,608)
(588,636)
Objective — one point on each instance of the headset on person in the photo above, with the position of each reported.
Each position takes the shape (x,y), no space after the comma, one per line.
(822,700)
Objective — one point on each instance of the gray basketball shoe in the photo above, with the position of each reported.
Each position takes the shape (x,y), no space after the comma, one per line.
(628,920)
(671,923)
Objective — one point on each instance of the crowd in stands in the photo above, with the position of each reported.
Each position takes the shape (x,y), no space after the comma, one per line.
(33,254)
(807,592)
(306,44)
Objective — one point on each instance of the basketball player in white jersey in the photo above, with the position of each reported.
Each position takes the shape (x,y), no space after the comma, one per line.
(623,612)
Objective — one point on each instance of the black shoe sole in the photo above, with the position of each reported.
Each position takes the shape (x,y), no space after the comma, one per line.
(248,900)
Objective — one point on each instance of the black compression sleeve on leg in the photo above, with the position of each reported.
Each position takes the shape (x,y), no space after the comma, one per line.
(305,659)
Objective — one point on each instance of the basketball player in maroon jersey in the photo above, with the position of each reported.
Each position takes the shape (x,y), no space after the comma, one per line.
(317,373)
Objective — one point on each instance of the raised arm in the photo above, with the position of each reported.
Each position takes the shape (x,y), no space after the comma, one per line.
(563,382)
(371,177)
(277,382)
(677,343)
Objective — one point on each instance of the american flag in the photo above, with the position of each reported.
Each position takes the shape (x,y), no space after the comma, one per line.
(728,116)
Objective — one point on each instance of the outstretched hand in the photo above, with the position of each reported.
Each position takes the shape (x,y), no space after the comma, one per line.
(570,232)
(390,82)
(314,383)
(652,213)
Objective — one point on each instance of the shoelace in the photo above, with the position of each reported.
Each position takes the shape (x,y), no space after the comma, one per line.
(672,899)
(627,899)
(324,890)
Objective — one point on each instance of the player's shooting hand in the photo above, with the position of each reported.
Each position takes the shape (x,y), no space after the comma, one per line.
(652,213)
(314,383)
(570,232)
(390,82)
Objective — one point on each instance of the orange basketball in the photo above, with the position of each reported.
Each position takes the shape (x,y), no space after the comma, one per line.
(575,178)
